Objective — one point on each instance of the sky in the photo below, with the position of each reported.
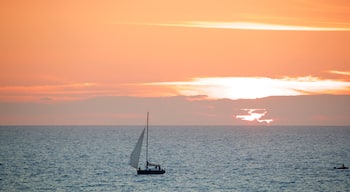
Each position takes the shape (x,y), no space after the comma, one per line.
(194,62)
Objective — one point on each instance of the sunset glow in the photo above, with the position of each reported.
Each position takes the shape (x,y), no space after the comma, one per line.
(257,87)
(233,62)
(211,87)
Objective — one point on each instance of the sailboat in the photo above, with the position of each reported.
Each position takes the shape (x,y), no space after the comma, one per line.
(151,168)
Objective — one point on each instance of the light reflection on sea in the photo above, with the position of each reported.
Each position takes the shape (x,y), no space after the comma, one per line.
(202,158)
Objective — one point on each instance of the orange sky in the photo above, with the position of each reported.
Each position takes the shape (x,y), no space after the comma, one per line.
(74,50)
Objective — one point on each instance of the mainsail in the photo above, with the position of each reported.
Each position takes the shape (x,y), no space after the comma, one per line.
(135,155)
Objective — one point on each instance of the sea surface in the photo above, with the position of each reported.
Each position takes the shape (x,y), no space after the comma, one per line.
(196,158)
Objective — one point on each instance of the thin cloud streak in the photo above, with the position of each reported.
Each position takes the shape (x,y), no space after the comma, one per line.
(45,93)
(78,91)
(347,73)
(248,26)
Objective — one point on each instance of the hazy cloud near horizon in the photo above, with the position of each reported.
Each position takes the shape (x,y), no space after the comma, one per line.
(287,110)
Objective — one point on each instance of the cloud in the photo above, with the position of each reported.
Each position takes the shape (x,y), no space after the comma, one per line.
(39,93)
(46,99)
(242,25)
(196,89)
(347,73)
(78,91)
(257,87)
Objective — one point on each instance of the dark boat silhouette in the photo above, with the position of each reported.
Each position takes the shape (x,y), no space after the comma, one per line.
(151,168)
(341,167)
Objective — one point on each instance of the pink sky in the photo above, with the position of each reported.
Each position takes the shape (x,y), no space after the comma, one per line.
(58,55)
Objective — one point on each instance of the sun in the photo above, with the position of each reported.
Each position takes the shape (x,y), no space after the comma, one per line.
(255,87)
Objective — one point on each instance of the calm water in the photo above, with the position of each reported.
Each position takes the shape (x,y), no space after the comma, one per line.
(205,158)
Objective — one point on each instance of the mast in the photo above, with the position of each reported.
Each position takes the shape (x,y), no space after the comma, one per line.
(147,141)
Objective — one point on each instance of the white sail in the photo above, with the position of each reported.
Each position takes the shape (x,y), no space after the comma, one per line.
(135,155)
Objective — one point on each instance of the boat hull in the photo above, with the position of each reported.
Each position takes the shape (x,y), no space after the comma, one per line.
(150,172)
(341,167)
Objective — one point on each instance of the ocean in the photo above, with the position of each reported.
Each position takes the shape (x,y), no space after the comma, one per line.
(196,158)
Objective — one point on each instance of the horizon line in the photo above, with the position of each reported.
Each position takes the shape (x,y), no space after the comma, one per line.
(179,125)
